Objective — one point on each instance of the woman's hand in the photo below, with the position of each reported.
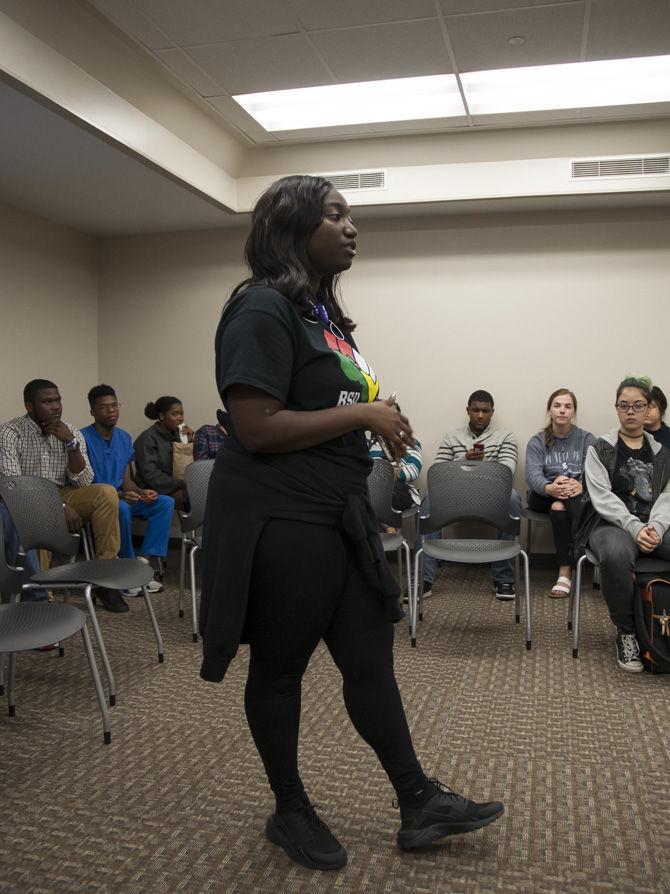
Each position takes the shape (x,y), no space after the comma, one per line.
(648,539)
(564,488)
(185,430)
(384,419)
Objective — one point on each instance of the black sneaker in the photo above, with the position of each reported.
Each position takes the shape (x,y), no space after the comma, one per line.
(628,653)
(111,600)
(427,589)
(504,592)
(442,813)
(306,838)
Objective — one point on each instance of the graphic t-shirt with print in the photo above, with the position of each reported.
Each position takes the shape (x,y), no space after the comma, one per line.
(633,470)
(264,341)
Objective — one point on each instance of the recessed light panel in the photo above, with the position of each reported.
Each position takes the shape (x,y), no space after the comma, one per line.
(400,99)
(578,85)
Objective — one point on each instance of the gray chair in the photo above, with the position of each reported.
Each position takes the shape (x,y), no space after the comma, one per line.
(471,491)
(644,565)
(32,625)
(381,481)
(197,477)
(37,511)
(533,517)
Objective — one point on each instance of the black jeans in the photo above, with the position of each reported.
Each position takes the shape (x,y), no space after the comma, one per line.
(306,587)
(561,523)
(617,553)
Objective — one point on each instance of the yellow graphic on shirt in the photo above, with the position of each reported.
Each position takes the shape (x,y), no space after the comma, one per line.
(354,367)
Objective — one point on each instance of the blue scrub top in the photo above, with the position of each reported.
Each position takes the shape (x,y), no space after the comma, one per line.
(108,459)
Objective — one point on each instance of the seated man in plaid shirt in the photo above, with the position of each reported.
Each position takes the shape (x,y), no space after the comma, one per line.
(41,444)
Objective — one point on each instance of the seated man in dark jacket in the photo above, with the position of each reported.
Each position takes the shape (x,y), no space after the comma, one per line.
(626,510)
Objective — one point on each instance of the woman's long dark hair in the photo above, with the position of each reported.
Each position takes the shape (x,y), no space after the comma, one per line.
(276,253)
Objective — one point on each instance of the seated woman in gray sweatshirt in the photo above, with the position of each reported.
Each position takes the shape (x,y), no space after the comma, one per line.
(554,462)
(626,510)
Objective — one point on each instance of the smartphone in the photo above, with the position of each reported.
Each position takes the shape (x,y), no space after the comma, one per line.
(478,445)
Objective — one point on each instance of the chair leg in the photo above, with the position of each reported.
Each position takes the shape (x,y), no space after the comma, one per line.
(2,674)
(154,624)
(529,537)
(11,681)
(99,691)
(161,569)
(577,587)
(596,577)
(529,619)
(101,645)
(194,611)
(407,582)
(182,574)
(418,577)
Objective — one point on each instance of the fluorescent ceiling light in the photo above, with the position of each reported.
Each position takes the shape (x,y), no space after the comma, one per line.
(578,85)
(400,99)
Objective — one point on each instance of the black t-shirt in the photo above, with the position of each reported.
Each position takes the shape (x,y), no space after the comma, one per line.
(262,340)
(662,435)
(632,480)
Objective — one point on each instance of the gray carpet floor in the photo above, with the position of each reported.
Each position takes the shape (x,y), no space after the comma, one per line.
(576,749)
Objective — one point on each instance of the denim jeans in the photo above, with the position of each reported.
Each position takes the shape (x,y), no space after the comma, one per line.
(502,572)
(30,562)
(617,553)
(159,518)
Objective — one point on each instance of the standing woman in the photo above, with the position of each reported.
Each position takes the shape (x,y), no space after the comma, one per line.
(153,449)
(291,550)
(554,466)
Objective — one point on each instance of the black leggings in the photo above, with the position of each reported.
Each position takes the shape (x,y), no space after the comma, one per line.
(561,522)
(306,587)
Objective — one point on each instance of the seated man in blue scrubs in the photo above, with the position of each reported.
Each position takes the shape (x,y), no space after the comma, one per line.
(110,452)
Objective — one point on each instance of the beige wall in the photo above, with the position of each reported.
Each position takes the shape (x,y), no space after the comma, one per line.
(517,304)
(48,308)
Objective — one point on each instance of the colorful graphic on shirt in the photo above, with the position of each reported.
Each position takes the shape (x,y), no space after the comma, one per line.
(354,368)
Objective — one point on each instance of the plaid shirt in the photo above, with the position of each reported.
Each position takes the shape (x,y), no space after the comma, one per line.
(25,451)
(206,441)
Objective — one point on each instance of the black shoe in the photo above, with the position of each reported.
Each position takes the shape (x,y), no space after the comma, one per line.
(427,589)
(628,653)
(440,813)
(306,838)
(504,592)
(111,600)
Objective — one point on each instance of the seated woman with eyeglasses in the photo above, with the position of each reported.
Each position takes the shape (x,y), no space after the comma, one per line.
(626,510)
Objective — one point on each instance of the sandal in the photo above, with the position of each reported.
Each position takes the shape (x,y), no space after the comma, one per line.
(561,588)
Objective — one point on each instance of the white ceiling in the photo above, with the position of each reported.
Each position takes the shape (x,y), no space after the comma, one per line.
(53,167)
(219,48)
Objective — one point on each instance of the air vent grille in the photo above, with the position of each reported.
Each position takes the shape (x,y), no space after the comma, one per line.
(640,166)
(357,180)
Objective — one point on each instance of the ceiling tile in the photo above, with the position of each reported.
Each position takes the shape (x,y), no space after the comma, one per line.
(376,52)
(315,15)
(456,7)
(186,70)
(129,19)
(619,29)
(210,21)
(553,34)
(269,63)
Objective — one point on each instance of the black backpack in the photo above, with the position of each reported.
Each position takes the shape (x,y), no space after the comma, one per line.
(652,624)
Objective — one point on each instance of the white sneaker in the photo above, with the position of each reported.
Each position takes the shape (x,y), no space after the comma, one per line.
(153,587)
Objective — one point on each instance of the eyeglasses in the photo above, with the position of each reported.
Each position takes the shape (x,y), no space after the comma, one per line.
(637,407)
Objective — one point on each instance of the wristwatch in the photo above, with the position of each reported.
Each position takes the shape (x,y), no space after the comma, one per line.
(72,445)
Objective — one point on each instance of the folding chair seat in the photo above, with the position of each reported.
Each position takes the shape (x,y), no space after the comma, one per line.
(197,477)
(381,481)
(471,491)
(36,509)
(32,625)
(644,565)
